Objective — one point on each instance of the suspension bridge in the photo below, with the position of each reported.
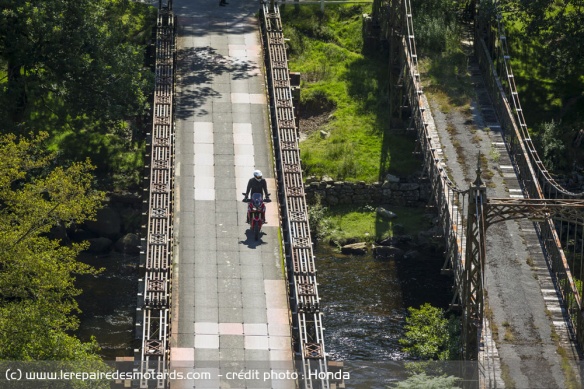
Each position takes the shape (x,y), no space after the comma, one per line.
(212,301)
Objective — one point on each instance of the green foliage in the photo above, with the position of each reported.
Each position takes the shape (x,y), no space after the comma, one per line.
(76,69)
(37,273)
(422,381)
(444,62)
(326,48)
(557,26)
(545,39)
(551,143)
(76,51)
(429,335)
(436,25)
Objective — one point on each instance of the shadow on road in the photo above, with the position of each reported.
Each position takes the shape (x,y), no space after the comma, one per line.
(198,66)
(250,241)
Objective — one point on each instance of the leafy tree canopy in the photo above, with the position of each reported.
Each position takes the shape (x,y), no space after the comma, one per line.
(423,381)
(37,273)
(74,51)
(429,335)
(557,26)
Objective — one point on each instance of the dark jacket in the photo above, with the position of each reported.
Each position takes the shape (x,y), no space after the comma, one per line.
(255,186)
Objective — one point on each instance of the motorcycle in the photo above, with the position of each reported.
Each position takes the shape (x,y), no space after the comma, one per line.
(256,211)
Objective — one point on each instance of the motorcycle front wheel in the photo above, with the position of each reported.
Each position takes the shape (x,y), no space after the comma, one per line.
(256,231)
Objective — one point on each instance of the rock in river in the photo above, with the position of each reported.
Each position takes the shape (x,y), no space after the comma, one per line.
(355,249)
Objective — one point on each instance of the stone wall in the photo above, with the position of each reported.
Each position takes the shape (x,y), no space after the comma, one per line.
(394,191)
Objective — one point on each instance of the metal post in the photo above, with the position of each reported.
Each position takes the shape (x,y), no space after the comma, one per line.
(396,60)
(474,268)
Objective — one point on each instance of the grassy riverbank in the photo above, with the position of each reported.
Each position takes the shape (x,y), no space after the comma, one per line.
(345,95)
(344,224)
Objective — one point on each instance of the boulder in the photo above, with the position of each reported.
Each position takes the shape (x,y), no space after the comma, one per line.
(409,187)
(355,249)
(326,179)
(391,178)
(396,240)
(99,245)
(384,213)
(108,223)
(387,241)
(398,228)
(128,244)
(388,252)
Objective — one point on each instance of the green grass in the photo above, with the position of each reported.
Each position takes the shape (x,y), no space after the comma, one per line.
(361,223)
(326,48)
(445,76)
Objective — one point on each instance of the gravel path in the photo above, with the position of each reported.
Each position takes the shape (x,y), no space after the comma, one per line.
(527,320)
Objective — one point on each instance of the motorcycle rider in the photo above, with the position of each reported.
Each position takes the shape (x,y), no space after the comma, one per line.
(257,184)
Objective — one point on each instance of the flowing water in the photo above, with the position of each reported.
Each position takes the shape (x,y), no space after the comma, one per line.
(108,303)
(365,303)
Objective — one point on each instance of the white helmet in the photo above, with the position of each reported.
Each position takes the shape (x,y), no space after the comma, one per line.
(257,174)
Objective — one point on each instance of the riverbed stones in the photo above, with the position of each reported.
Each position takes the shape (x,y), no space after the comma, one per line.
(386,214)
(391,178)
(128,244)
(355,249)
(99,245)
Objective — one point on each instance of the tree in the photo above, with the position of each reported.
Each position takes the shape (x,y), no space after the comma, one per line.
(551,144)
(37,273)
(75,52)
(429,335)
(557,26)
(422,381)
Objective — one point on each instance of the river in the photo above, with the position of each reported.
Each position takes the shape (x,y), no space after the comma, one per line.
(365,303)
(108,303)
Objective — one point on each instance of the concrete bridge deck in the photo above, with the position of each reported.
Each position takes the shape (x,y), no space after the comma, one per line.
(230,310)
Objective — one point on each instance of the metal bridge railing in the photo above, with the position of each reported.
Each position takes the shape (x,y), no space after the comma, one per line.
(449,200)
(153,319)
(537,182)
(303,290)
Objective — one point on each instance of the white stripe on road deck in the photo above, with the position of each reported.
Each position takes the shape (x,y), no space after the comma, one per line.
(204,170)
